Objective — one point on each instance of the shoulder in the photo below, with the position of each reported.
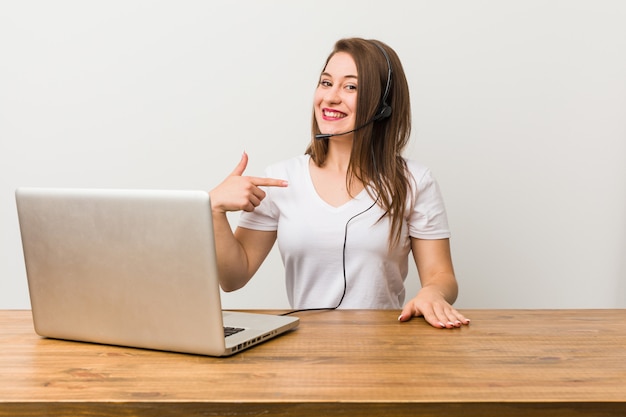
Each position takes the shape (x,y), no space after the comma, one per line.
(420,173)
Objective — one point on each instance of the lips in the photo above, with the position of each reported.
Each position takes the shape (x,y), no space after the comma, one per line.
(332,114)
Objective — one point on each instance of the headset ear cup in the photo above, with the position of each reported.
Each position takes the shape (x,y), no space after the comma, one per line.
(385,111)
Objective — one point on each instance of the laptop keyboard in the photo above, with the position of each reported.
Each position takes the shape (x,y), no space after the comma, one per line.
(229,331)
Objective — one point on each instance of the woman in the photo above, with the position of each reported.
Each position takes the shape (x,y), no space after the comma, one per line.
(347,213)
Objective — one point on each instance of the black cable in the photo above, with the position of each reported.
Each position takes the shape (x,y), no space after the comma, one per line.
(345,280)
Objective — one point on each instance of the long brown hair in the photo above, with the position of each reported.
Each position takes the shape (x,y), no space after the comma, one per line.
(376,159)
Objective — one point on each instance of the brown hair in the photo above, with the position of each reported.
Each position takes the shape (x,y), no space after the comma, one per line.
(376,159)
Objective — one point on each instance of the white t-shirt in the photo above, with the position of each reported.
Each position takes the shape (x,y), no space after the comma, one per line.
(311,233)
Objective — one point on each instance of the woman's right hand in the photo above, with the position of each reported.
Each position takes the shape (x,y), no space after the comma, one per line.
(239,192)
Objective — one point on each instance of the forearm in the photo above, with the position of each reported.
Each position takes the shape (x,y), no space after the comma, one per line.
(439,286)
(232,263)
(443,283)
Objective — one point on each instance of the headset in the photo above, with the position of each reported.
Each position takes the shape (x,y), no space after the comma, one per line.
(384,109)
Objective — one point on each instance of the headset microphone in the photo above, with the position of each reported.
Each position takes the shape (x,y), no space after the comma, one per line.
(330,135)
(384,110)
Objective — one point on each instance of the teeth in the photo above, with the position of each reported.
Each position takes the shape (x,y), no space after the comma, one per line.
(333,114)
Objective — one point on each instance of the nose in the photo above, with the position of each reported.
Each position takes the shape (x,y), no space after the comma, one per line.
(332,95)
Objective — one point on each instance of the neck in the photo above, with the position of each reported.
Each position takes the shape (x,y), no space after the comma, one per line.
(338,156)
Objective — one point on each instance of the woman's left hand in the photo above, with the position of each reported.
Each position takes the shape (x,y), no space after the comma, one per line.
(431,304)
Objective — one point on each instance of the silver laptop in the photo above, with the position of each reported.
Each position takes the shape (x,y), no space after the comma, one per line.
(132,268)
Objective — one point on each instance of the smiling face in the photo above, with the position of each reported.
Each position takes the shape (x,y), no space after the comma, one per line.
(336,95)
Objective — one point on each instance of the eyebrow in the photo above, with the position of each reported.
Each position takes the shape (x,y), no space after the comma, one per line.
(346,76)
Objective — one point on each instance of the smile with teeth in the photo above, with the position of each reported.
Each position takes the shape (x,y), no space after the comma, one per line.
(333,114)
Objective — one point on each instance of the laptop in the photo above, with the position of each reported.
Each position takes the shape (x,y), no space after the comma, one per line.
(132,268)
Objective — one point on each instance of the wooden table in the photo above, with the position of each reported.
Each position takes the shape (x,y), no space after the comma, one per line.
(337,363)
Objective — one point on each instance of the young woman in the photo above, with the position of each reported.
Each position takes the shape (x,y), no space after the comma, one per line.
(348,212)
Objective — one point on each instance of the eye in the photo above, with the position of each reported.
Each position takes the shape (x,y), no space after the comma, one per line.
(351,87)
(326,83)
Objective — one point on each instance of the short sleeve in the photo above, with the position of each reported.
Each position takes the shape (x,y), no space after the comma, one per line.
(427,218)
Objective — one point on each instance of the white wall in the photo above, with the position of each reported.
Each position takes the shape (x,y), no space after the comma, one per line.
(519,109)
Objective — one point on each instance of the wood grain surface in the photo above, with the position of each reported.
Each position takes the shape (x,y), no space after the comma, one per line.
(345,363)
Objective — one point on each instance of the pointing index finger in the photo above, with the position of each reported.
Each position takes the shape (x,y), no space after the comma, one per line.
(268,182)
